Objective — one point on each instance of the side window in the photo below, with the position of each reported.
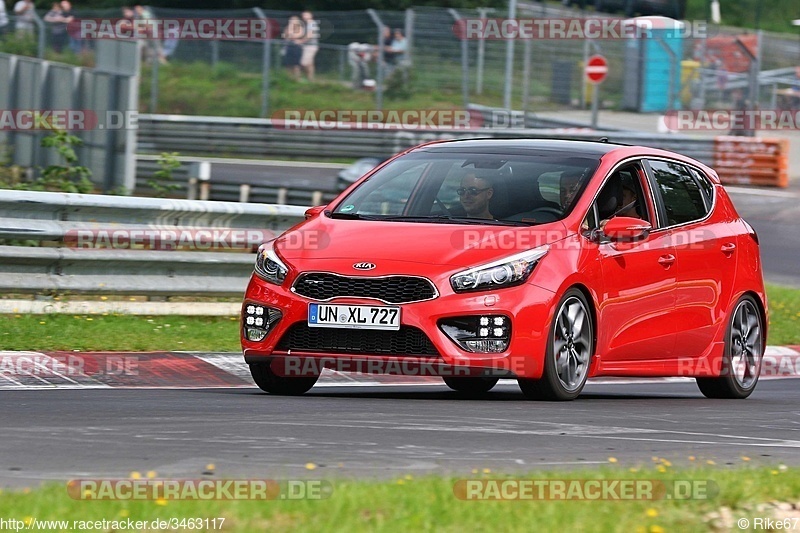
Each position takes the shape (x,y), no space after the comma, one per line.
(705,186)
(683,199)
(621,195)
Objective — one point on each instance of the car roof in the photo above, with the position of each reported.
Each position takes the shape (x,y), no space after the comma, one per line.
(520,146)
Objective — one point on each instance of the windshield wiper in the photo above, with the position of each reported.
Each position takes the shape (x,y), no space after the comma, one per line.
(351,216)
(448,219)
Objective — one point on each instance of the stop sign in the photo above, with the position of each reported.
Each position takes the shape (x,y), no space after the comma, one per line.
(596,69)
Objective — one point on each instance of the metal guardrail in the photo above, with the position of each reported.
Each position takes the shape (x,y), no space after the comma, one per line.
(260,138)
(62,264)
(186,178)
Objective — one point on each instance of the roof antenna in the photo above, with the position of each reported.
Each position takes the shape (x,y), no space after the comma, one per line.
(603,139)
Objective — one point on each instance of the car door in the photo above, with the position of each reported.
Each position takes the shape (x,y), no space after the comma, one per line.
(638,301)
(705,244)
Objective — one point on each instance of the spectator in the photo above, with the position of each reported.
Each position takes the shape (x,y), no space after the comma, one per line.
(388,56)
(25,12)
(76,44)
(58,26)
(3,18)
(359,55)
(399,47)
(128,16)
(171,36)
(293,48)
(154,44)
(310,44)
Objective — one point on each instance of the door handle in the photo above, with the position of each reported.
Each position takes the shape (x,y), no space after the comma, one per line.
(728,248)
(666,260)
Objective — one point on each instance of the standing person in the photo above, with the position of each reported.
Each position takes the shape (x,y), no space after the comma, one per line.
(58,26)
(25,12)
(3,18)
(292,48)
(156,52)
(388,56)
(76,44)
(399,47)
(310,44)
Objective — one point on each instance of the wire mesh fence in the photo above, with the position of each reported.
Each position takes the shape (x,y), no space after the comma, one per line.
(695,71)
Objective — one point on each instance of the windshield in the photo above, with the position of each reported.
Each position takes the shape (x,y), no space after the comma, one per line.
(472,188)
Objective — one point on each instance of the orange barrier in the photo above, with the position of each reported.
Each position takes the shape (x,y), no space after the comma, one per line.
(752,161)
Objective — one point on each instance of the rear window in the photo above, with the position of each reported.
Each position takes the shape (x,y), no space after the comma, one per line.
(684,200)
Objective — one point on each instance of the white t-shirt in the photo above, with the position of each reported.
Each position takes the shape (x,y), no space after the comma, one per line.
(3,15)
(24,18)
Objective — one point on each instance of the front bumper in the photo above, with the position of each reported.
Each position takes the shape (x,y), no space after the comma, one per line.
(529,307)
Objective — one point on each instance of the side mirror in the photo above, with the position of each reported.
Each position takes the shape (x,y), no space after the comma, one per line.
(311,212)
(627,229)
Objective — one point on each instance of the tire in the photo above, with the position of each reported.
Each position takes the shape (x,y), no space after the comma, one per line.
(270,382)
(570,347)
(476,385)
(744,352)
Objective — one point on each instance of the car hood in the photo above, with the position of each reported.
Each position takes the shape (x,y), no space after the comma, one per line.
(323,239)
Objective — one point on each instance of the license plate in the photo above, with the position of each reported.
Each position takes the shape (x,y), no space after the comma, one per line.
(353,316)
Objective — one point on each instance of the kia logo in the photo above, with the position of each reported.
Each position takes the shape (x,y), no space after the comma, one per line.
(364,266)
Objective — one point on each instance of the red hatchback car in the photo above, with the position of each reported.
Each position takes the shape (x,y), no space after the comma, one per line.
(544,261)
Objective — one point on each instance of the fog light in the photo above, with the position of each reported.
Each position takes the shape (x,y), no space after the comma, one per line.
(473,334)
(258,321)
(254,334)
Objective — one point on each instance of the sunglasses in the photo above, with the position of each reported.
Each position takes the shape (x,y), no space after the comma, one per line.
(470,191)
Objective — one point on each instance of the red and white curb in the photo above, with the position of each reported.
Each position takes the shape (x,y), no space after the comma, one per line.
(37,370)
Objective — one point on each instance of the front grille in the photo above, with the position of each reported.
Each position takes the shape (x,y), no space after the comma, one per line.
(406,341)
(390,289)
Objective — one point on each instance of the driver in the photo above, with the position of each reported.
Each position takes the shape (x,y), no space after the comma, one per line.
(570,183)
(474,195)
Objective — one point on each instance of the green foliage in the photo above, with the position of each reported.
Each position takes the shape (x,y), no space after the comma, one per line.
(10,175)
(399,84)
(25,45)
(67,176)
(162,181)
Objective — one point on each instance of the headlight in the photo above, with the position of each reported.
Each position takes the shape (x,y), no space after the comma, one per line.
(269,266)
(505,272)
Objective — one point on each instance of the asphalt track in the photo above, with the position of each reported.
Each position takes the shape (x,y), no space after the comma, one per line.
(385,431)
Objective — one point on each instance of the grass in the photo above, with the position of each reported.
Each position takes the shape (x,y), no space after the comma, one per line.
(784,315)
(429,504)
(137,333)
(197,89)
(118,333)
